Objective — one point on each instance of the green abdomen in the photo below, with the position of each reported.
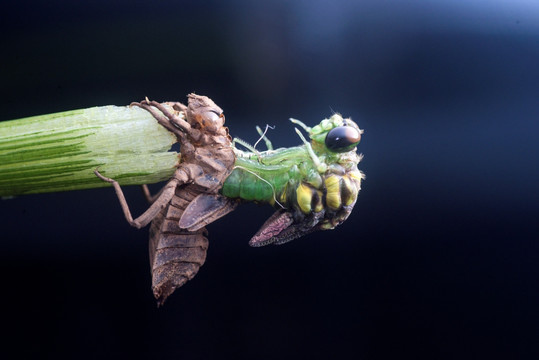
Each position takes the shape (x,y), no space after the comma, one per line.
(247,185)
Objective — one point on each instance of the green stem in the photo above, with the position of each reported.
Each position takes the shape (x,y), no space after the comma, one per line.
(59,152)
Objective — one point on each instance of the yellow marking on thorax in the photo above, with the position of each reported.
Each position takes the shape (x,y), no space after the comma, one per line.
(333,192)
(304,196)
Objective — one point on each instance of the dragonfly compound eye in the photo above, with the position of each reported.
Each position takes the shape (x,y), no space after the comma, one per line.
(342,139)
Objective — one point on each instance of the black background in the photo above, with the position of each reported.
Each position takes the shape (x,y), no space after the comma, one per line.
(440,258)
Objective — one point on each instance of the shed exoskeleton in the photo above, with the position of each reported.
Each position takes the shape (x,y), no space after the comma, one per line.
(207,158)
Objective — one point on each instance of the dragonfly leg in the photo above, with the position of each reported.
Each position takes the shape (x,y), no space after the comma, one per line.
(162,201)
(246,145)
(170,119)
(178,106)
(148,196)
(174,115)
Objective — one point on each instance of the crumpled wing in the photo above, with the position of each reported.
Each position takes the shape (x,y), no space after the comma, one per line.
(281,228)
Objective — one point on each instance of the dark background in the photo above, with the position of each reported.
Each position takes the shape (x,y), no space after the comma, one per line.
(440,258)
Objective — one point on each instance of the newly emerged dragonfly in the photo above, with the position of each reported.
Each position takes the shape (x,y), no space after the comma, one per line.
(314,186)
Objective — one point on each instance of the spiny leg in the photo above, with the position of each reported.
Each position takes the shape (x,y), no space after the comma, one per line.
(300,123)
(245,144)
(164,197)
(320,166)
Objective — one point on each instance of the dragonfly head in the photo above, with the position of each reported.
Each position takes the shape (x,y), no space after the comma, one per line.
(333,141)
(335,135)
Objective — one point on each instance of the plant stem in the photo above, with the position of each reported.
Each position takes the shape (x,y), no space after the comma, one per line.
(59,152)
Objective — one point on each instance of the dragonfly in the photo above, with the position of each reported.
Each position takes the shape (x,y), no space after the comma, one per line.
(313,186)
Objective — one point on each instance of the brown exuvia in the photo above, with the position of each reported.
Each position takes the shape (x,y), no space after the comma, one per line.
(190,200)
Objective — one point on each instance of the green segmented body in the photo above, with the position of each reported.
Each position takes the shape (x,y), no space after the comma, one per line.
(266,180)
